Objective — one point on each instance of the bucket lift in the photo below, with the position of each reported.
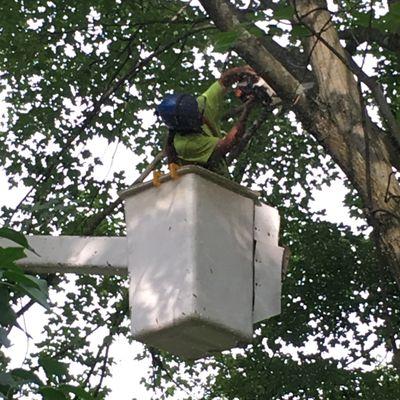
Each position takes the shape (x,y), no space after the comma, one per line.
(202,255)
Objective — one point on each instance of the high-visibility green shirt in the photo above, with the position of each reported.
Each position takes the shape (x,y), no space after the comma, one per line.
(197,148)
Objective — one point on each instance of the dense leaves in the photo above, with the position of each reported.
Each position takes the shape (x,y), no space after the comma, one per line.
(82,75)
(14,286)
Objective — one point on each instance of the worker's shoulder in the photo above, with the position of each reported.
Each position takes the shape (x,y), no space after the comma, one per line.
(215,90)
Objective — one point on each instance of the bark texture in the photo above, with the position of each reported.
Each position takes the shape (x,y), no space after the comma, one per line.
(333,112)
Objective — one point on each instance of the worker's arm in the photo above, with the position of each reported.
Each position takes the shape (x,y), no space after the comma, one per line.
(211,101)
(226,144)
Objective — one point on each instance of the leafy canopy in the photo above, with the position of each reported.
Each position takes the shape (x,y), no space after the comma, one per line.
(75,73)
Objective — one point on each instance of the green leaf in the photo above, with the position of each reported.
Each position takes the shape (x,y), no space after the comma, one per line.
(4,295)
(392,23)
(363,19)
(36,294)
(7,315)
(284,12)
(53,367)
(255,31)
(395,10)
(6,379)
(300,31)
(9,255)
(25,376)
(16,237)
(27,284)
(4,341)
(170,391)
(86,154)
(78,391)
(223,41)
(275,30)
(50,393)
(22,279)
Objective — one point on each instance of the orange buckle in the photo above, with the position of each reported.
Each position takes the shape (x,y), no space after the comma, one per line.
(173,170)
(156,178)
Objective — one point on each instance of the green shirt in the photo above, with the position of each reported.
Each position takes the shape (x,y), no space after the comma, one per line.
(197,148)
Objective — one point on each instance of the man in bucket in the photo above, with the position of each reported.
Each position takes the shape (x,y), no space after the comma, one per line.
(195,136)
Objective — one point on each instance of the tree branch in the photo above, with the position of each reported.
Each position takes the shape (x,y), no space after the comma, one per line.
(247,46)
(104,366)
(370,82)
(95,221)
(356,36)
(294,61)
(250,132)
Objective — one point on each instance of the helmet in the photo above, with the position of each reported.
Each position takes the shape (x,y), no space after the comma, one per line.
(180,112)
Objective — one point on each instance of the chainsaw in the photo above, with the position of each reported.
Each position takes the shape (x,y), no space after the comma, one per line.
(260,90)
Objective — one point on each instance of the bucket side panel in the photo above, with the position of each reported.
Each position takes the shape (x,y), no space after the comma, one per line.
(160,255)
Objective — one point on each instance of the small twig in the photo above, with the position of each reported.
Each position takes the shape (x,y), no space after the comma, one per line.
(98,218)
(103,369)
(363,352)
(380,210)
(160,365)
(388,195)
(180,11)
(248,135)
(20,312)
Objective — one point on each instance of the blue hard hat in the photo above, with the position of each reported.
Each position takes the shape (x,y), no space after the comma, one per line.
(180,112)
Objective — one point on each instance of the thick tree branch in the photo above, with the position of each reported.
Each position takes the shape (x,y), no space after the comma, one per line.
(294,61)
(355,37)
(375,88)
(250,48)
(359,150)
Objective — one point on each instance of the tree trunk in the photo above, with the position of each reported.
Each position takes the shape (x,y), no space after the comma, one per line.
(334,113)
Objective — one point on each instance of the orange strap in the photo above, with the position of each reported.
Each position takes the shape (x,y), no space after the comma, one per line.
(173,170)
(156,178)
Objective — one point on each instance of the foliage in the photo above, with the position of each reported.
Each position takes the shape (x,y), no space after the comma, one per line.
(15,285)
(78,73)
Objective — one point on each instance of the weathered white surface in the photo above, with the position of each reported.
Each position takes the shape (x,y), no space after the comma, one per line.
(267,263)
(93,255)
(266,224)
(191,266)
(267,281)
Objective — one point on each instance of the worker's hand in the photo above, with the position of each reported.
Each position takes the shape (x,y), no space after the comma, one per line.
(237,74)
(249,72)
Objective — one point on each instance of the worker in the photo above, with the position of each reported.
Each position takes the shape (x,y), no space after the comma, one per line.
(195,135)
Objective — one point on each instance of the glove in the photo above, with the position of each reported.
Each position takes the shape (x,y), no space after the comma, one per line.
(237,74)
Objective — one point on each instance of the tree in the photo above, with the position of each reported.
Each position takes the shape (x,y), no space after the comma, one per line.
(77,70)
(335,111)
